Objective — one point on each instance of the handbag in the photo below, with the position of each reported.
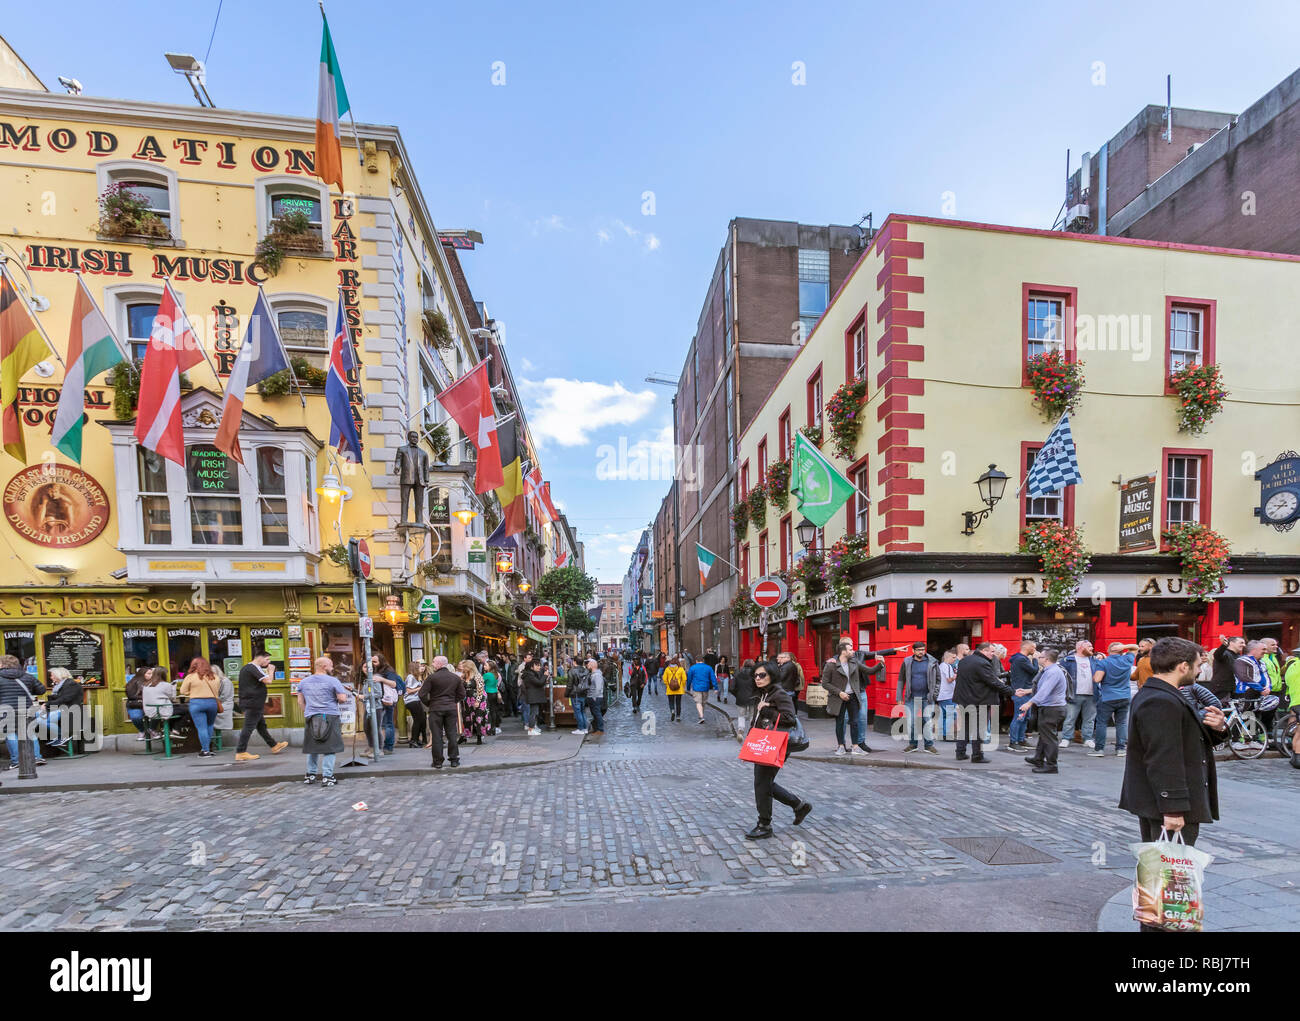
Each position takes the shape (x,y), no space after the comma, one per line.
(765,747)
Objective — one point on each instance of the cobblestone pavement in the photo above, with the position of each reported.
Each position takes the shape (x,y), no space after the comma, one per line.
(653,813)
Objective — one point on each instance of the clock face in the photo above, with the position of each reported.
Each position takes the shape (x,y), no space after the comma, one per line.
(1281,506)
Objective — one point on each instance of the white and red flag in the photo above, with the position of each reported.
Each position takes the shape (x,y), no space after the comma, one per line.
(173,348)
(469,402)
(260,356)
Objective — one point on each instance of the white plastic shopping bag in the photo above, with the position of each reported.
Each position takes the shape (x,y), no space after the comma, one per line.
(1168,889)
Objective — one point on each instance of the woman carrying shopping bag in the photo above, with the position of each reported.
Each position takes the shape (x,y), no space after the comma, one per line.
(773,715)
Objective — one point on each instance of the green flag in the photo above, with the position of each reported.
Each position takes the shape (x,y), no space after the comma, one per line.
(820,489)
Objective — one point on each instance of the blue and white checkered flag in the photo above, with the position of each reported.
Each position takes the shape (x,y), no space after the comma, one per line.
(1056,464)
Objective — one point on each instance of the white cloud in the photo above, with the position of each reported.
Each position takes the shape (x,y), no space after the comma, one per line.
(569,410)
(652,243)
(526,366)
(553,222)
(613,542)
(648,241)
(604,236)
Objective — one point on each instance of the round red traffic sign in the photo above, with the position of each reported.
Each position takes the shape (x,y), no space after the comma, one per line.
(769,592)
(545,618)
(363,558)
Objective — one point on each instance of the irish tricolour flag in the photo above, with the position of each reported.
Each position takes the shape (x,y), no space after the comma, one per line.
(331,104)
(92,348)
(706,561)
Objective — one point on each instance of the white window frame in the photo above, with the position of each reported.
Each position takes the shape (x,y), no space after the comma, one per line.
(862,500)
(860,352)
(1193,502)
(265,188)
(1047,344)
(298,301)
(1181,357)
(118,296)
(115,171)
(1043,503)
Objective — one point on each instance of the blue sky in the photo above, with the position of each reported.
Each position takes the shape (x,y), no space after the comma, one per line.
(695,103)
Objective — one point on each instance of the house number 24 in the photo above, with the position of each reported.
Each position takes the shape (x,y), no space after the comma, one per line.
(932,585)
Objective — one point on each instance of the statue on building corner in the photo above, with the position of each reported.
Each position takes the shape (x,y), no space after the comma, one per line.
(411,466)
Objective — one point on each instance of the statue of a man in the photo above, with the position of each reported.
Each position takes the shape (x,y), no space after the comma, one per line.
(411,466)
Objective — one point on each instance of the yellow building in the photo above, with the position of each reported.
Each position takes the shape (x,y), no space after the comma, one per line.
(940,320)
(133,559)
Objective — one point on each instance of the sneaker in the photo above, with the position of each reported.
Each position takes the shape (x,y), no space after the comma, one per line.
(855,750)
(1122,753)
(310,778)
(701,721)
(580,732)
(11,765)
(1065,743)
(40,762)
(140,737)
(910,748)
(759,832)
(840,751)
(498,730)
(1032,761)
(245,756)
(206,755)
(329,781)
(278,747)
(1096,755)
(932,749)
(801,813)
(862,747)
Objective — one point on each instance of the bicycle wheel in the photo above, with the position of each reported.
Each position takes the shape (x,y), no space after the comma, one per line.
(1287,744)
(1247,738)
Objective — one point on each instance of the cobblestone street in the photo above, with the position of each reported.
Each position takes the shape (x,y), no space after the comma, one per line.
(650,815)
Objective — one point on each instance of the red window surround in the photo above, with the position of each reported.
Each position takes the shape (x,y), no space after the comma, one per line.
(744,480)
(786,536)
(1207,477)
(762,552)
(815,398)
(762,461)
(850,344)
(1026,447)
(851,508)
(1070,304)
(744,564)
(783,434)
(1209,309)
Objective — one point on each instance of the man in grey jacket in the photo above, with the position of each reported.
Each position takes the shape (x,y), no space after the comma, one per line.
(1048,694)
(918,687)
(844,680)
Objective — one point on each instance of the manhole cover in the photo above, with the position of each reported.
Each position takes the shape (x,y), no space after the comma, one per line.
(900,790)
(999,850)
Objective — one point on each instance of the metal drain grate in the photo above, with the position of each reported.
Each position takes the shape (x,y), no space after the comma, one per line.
(999,850)
(900,790)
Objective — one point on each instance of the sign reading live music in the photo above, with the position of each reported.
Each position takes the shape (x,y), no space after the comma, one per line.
(1137,521)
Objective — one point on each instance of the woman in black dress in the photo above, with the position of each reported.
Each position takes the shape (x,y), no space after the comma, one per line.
(772,708)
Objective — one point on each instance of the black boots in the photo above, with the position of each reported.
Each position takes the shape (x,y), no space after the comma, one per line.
(801,813)
(761,831)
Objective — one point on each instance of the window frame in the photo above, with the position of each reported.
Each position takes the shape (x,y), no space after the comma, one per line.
(744,563)
(1067,497)
(762,553)
(117,298)
(815,385)
(1069,297)
(851,509)
(267,187)
(785,538)
(784,437)
(298,301)
(851,369)
(1209,308)
(762,461)
(744,480)
(1206,457)
(115,171)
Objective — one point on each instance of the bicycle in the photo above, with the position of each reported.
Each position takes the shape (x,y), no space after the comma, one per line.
(1284,736)
(1247,737)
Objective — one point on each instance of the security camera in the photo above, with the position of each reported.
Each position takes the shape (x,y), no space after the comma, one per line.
(71,84)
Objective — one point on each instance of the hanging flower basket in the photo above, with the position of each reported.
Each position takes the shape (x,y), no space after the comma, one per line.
(740,518)
(1064,557)
(757,501)
(778,484)
(743,607)
(437,330)
(813,433)
(1201,396)
(840,558)
(809,571)
(844,413)
(1203,553)
(1056,383)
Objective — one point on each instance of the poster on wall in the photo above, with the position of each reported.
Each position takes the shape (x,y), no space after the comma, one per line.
(78,651)
(1137,522)
(55,505)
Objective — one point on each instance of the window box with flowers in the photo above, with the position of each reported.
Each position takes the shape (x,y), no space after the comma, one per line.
(1201,396)
(740,518)
(841,558)
(280,383)
(1057,384)
(125,215)
(778,484)
(809,572)
(1203,553)
(437,330)
(757,501)
(814,433)
(844,413)
(1064,557)
(125,380)
(287,235)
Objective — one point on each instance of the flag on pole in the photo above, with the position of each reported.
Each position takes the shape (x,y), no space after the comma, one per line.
(343,427)
(706,560)
(533,490)
(261,355)
(22,346)
(546,502)
(561,558)
(92,348)
(469,402)
(510,494)
(821,490)
(1056,465)
(331,104)
(173,348)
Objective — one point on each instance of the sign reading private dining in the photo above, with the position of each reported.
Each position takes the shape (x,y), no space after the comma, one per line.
(210,470)
(55,505)
(1137,522)
(78,651)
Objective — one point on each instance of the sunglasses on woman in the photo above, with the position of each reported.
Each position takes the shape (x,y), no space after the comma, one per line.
(761,673)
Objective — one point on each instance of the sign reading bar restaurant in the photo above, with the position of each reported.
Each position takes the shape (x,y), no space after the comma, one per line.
(55,505)
(210,470)
(1137,521)
(78,651)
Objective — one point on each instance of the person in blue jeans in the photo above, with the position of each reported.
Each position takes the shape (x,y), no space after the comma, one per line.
(1113,696)
(918,686)
(202,686)
(590,699)
(1024,668)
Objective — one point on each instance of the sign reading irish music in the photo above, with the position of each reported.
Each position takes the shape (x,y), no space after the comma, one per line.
(1137,523)
(55,505)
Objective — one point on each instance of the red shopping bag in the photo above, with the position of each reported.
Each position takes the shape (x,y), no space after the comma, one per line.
(766,747)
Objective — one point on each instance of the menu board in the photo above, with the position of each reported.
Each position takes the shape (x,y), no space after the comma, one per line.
(210,471)
(78,651)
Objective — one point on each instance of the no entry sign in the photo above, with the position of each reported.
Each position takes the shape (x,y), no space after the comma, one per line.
(769,592)
(545,618)
(363,558)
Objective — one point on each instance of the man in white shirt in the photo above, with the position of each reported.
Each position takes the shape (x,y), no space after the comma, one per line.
(944,702)
(1080,693)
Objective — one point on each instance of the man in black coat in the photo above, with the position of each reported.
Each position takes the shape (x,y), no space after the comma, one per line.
(1169,777)
(442,693)
(977,691)
(1223,681)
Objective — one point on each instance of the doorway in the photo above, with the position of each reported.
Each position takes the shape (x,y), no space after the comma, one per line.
(942,634)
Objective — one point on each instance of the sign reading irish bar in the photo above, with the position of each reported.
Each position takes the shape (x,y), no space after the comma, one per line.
(55,505)
(1137,522)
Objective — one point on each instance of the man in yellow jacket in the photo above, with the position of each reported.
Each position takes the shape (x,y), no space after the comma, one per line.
(674,687)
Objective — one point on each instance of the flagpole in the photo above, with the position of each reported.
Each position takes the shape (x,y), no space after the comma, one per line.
(1049,434)
(361,159)
(275,328)
(31,312)
(121,349)
(221,391)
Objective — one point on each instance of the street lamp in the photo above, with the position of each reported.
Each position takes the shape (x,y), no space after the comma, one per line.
(525,585)
(331,490)
(807,533)
(991,485)
(464,515)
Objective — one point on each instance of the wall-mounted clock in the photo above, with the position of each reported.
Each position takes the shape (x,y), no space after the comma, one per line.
(1279,492)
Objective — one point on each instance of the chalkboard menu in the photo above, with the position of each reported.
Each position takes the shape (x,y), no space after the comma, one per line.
(210,471)
(78,651)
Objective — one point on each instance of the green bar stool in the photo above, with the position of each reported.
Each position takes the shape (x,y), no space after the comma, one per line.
(166,722)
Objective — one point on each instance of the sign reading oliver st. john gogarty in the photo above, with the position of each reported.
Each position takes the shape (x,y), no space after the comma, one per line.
(55,505)
(1137,523)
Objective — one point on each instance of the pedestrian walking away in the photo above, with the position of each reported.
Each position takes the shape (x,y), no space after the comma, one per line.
(1048,696)
(773,709)
(492,684)
(1114,694)
(203,688)
(319,698)
(442,693)
(1169,778)
(700,679)
(18,691)
(252,697)
(675,686)
(586,684)
(474,714)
